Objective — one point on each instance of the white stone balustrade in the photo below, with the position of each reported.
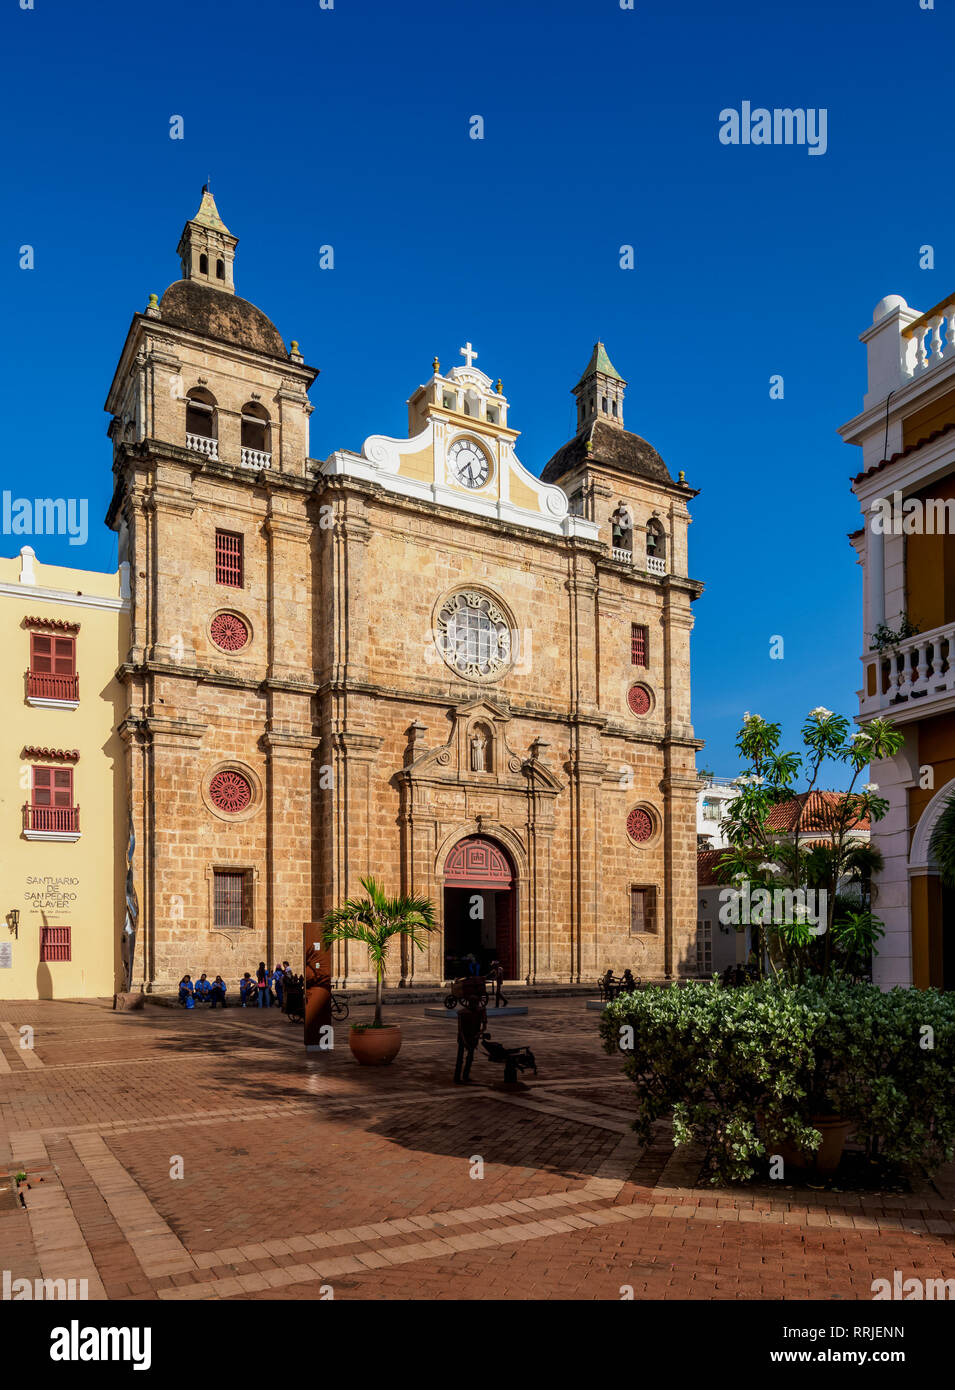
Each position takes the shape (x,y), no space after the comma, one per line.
(625,555)
(655,566)
(202,444)
(919,671)
(256,458)
(931,346)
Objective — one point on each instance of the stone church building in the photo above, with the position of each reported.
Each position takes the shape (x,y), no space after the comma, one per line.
(414,660)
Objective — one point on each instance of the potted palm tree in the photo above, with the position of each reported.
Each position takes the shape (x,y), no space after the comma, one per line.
(373,921)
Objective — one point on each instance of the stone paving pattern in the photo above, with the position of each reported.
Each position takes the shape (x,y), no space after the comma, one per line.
(304,1173)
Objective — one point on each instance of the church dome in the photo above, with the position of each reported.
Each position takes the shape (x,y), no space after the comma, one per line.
(203,309)
(611,446)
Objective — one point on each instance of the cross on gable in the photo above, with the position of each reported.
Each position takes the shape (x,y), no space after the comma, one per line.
(468,353)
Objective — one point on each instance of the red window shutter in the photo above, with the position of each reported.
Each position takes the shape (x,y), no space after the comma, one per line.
(638,644)
(64,656)
(63,786)
(42,786)
(41,654)
(55,943)
(229,559)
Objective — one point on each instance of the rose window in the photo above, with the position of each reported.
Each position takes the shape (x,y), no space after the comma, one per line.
(639,825)
(638,698)
(230,791)
(474,635)
(229,632)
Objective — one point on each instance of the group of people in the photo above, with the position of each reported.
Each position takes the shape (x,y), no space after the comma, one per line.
(254,991)
(612,987)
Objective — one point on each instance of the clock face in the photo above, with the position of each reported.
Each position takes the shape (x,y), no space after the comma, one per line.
(468,464)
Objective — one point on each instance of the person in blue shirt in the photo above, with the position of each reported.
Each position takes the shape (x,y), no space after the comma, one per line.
(246,986)
(187,992)
(278,982)
(217,993)
(203,989)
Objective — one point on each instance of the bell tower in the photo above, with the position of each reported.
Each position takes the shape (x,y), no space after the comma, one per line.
(599,391)
(207,247)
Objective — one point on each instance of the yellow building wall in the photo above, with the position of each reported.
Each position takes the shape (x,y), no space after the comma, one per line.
(930,569)
(81,884)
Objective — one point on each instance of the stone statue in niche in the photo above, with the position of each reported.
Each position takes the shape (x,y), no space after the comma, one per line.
(478,752)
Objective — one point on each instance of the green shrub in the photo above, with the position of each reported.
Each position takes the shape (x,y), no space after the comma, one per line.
(742,1070)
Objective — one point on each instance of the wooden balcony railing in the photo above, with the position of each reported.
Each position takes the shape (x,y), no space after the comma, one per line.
(53,819)
(43,686)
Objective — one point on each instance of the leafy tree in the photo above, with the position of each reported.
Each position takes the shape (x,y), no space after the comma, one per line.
(777,860)
(374,920)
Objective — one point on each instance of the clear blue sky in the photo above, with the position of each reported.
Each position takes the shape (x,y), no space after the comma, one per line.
(350,127)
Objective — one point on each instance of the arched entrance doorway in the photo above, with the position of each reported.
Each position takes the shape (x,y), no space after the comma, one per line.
(480,907)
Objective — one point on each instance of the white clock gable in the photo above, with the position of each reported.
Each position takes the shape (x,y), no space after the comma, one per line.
(460,453)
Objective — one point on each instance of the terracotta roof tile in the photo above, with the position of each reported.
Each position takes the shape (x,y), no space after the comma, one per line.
(819,814)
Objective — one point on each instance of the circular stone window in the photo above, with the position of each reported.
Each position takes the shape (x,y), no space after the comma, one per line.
(638,698)
(229,791)
(473,634)
(229,632)
(640,825)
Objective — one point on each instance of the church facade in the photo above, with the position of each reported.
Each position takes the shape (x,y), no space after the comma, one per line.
(415,661)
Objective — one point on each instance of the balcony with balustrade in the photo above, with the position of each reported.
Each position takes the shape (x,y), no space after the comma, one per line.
(45,688)
(203,444)
(256,458)
(913,679)
(51,822)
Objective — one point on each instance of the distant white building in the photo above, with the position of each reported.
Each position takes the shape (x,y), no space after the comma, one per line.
(712,802)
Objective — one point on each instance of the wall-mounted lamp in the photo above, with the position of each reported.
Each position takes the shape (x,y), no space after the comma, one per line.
(13,921)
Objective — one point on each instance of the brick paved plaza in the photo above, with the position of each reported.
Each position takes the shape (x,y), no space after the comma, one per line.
(569,1207)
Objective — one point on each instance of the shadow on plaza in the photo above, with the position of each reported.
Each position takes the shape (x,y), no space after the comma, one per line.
(413,1103)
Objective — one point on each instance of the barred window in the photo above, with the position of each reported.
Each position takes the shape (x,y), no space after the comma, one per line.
(55,943)
(229,559)
(639,645)
(232,898)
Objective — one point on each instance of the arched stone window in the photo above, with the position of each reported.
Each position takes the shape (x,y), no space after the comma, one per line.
(656,541)
(203,264)
(201,413)
(622,528)
(255,427)
(220,269)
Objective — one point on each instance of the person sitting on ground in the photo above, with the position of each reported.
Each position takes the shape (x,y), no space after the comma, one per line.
(187,991)
(217,993)
(203,989)
(246,986)
(262,985)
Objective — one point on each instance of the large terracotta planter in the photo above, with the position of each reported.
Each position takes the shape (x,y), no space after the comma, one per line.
(827,1157)
(375,1047)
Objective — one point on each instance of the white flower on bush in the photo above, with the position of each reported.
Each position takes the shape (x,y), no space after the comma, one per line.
(770,868)
(871,787)
(820,713)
